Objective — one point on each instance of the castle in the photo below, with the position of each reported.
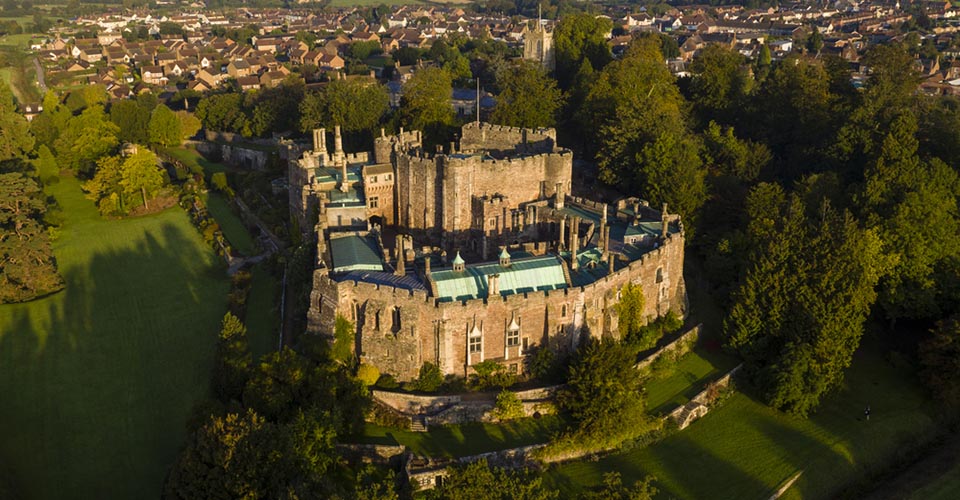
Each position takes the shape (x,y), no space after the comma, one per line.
(473,252)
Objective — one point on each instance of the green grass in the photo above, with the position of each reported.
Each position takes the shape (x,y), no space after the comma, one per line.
(21,40)
(947,487)
(230,223)
(99,379)
(691,374)
(744,449)
(467,439)
(190,157)
(263,317)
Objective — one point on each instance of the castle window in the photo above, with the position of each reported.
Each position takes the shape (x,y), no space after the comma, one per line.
(475,344)
(374,201)
(659,275)
(396,320)
(514,368)
(513,338)
(563,311)
(373,179)
(526,343)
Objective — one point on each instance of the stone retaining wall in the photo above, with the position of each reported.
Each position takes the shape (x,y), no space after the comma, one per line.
(700,405)
(682,345)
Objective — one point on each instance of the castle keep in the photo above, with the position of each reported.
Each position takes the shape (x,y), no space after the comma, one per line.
(473,252)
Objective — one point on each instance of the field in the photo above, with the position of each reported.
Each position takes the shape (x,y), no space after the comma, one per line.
(746,450)
(192,157)
(99,379)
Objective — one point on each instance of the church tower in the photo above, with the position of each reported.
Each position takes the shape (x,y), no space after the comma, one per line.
(538,45)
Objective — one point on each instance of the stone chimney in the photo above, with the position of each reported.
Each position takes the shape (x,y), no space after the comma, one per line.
(337,144)
(563,227)
(574,242)
(426,265)
(401,271)
(320,141)
(611,259)
(636,213)
(493,285)
(665,222)
(558,202)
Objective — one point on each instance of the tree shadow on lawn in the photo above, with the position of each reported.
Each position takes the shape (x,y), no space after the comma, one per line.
(99,379)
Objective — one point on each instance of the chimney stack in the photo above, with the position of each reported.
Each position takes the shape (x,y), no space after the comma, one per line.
(665,222)
(401,271)
(574,242)
(426,265)
(611,259)
(493,285)
(563,227)
(558,203)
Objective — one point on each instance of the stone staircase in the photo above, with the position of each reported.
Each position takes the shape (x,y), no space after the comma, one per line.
(418,424)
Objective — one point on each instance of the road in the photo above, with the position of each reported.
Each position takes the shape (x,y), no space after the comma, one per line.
(41,81)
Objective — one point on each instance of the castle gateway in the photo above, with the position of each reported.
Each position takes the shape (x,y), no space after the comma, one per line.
(475,253)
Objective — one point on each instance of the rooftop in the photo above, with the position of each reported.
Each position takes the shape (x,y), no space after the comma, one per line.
(522,275)
(355,253)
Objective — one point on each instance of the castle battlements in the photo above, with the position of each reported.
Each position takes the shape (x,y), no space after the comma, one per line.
(477,253)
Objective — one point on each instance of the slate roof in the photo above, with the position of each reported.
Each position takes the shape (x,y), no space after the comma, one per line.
(355,253)
(523,275)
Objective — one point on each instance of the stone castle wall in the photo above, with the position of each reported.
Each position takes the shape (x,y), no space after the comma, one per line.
(439,192)
(398,330)
(487,136)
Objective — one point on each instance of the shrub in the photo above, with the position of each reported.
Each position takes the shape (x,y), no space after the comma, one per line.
(342,339)
(508,406)
(491,374)
(387,381)
(430,378)
(368,374)
(387,417)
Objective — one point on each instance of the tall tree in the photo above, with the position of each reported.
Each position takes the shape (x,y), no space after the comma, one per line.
(640,128)
(528,97)
(27,265)
(426,102)
(234,362)
(798,313)
(15,138)
(355,105)
(85,139)
(579,38)
(913,205)
(164,128)
(224,113)
(132,119)
(721,84)
(141,175)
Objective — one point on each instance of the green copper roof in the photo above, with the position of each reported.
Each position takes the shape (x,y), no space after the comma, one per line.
(458,259)
(355,253)
(504,254)
(523,275)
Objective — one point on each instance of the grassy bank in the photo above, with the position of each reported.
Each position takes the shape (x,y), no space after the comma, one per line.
(99,379)
(745,450)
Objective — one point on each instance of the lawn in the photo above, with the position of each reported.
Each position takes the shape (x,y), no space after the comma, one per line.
(230,223)
(947,487)
(263,317)
(745,450)
(190,157)
(99,380)
(467,439)
(691,374)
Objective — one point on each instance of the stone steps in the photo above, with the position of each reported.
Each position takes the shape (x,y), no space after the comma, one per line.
(418,424)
